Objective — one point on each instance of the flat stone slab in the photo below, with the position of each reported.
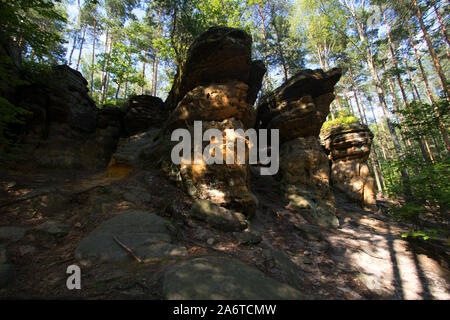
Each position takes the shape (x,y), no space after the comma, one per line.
(54,228)
(218,278)
(143,232)
(218,217)
(7,271)
(12,233)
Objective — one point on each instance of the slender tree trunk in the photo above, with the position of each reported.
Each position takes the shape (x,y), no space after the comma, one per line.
(155,87)
(352,81)
(436,62)
(117,92)
(442,126)
(263,27)
(280,51)
(103,84)
(73,48)
(81,48)
(106,78)
(153,77)
(413,83)
(143,77)
(395,61)
(93,56)
(443,28)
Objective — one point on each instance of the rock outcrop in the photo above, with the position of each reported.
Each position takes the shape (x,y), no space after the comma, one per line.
(300,106)
(144,232)
(64,128)
(217,85)
(349,148)
(219,278)
(143,113)
(216,56)
(298,109)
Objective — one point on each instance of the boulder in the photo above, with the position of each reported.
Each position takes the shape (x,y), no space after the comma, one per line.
(218,278)
(303,161)
(217,55)
(300,106)
(214,102)
(225,184)
(10,233)
(144,232)
(54,228)
(298,110)
(7,270)
(218,85)
(218,217)
(143,113)
(349,148)
(65,129)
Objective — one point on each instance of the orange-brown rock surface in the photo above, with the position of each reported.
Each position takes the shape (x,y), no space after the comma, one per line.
(349,149)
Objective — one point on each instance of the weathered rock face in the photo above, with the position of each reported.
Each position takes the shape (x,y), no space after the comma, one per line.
(298,109)
(224,184)
(300,106)
(217,55)
(143,113)
(214,102)
(217,85)
(64,128)
(349,149)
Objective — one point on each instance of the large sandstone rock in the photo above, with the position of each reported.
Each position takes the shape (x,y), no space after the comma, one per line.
(349,148)
(64,128)
(298,109)
(303,161)
(214,102)
(218,86)
(300,106)
(305,176)
(217,55)
(225,184)
(143,112)
(217,278)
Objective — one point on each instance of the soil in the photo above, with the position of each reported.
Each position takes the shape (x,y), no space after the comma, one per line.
(365,258)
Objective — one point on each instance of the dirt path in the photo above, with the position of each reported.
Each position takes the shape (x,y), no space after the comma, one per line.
(365,258)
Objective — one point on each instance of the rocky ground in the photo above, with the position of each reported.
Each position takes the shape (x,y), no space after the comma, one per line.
(47,216)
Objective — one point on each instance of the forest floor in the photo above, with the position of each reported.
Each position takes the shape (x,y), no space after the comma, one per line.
(365,258)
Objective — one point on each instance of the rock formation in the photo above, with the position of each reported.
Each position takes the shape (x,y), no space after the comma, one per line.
(298,109)
(143,113)
(349,148)
(217,85)
(64,128)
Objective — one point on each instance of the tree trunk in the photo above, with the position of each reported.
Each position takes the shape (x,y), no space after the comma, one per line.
(143,77)
(436,62)
(106,79)
(263,26)
(117,92)
(442,126)
(81,48)
(103,84)
(155,87)
(73,48)
(93,56)
(443,28)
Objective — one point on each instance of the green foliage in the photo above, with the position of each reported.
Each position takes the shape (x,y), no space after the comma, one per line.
(338,122)
(37,25)
(430,188)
